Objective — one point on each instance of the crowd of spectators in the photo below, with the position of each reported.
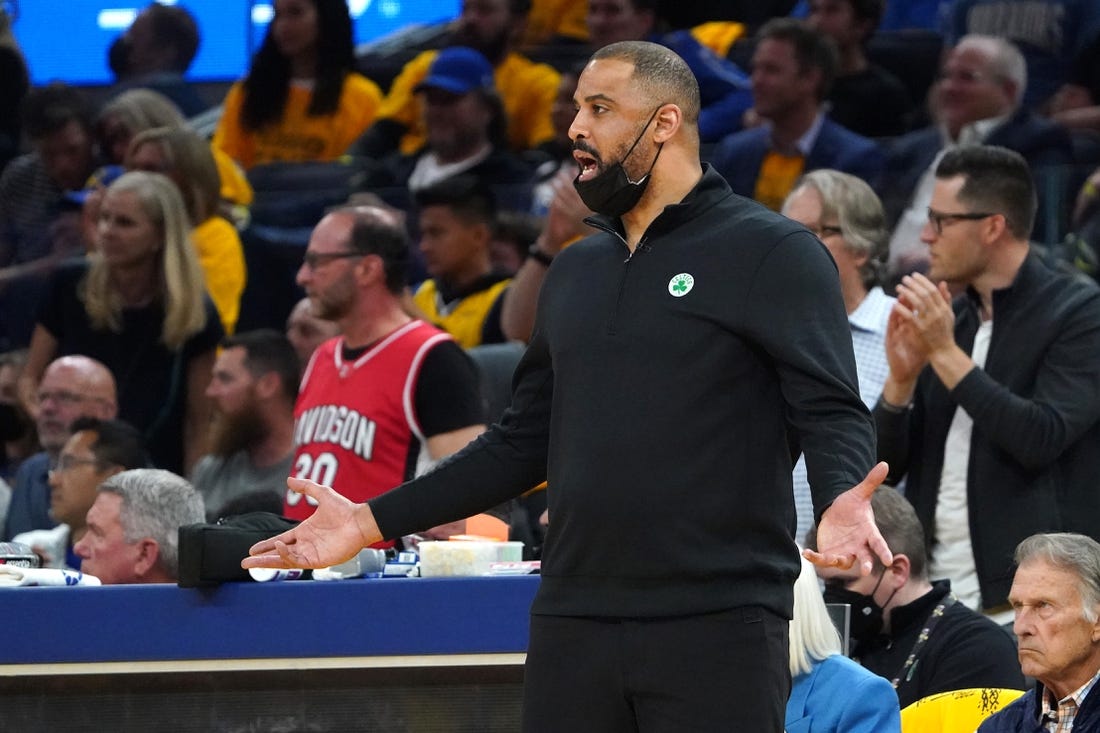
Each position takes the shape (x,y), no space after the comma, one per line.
(403,221)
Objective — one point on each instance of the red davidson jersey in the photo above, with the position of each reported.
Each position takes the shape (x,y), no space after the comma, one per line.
(355,426)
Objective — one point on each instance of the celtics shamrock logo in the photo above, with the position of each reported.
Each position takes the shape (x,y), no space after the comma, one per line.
(681,285)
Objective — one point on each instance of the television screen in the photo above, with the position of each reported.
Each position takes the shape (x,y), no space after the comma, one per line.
(68,39)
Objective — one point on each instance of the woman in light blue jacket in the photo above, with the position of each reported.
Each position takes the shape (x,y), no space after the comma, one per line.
(830,693)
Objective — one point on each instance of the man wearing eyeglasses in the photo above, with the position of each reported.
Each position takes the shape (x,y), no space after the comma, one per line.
(975,100)
(846,215)
(97,450)
(71,387)
(992,404)
(389,396)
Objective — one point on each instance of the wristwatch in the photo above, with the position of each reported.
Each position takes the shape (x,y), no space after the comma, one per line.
(538,255)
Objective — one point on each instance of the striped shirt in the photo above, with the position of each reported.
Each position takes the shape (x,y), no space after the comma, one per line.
(868,324)
(29,204)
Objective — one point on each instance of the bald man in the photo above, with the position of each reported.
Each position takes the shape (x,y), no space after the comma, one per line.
(71,387)
(306,331)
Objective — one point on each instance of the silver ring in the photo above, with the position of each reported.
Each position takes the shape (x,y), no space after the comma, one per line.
(916,313)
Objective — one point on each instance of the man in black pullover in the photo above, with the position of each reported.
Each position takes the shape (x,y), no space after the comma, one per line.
(991,409)
(909,628)
(679,358)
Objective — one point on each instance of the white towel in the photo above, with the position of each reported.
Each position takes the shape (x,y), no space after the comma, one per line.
(11,576)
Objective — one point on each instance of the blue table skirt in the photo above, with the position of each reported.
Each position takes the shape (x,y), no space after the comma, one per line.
(281,619)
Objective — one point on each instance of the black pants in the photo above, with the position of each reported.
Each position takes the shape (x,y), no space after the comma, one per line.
(725,671)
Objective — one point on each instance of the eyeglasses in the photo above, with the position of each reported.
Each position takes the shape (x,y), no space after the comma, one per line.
(314,260)
(939,219)
(68,462)
(67,399)
(823,231)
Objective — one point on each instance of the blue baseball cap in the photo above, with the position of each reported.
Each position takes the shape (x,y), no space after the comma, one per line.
(458,70)
(101,178)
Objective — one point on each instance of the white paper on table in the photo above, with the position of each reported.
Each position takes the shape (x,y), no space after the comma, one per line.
(11,576)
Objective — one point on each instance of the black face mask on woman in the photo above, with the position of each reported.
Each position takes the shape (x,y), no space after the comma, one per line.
(612,193)
(866,616)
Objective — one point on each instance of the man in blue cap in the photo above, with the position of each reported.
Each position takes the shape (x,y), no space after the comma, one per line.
(465,132)
(527,88)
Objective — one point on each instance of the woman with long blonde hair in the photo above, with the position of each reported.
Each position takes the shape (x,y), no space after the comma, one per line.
(829,692)
(132,112)
(137,303)
(128,114)
(185,158)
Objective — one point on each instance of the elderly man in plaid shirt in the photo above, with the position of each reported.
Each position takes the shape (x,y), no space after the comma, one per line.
(1056,596)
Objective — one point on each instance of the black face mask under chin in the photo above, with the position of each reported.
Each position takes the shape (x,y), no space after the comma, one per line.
(866,614)
(612,193)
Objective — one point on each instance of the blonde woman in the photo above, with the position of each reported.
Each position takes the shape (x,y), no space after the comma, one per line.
(138,305)
(829,692)
(128,114)
(137,110)
(185,158)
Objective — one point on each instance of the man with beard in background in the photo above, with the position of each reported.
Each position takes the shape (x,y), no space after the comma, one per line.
(253,387)
(527,89)
(391,395)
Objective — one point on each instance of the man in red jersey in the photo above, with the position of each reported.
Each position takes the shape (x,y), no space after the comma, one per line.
(391,395)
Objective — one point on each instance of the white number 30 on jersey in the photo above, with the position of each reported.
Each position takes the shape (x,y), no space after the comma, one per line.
(321,470)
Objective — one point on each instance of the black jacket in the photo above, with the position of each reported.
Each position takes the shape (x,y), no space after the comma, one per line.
(1023,715)
(1034,460)
(1045,146)
(509,176)
(655,395)
(964,650)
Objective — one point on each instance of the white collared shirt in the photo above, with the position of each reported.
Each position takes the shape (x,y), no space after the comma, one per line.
(868,323)
(429,170)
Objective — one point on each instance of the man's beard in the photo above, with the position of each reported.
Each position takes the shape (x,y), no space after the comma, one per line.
(238,431)
(336,302)
(457,145)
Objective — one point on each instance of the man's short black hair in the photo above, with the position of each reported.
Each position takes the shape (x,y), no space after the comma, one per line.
(997,181)
(468,197)
(267,350)
(373,233)
(117,442)
(50,108)
(174,26)
(660,74)
(812,49)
